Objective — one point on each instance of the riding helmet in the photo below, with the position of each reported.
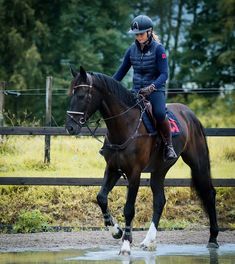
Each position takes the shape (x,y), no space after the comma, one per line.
(141,24)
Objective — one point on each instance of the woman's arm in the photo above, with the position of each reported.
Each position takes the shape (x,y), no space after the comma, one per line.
(124,67)
(162,66)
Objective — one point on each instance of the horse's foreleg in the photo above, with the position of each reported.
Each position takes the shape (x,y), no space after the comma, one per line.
(110,179)
(159,200)
(129,213)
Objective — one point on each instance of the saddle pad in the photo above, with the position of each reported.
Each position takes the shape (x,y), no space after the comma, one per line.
(174,123)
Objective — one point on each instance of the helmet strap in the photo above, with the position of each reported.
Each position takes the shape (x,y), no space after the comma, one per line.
(149,35)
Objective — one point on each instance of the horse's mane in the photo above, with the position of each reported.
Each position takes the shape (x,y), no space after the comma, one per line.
(108,84)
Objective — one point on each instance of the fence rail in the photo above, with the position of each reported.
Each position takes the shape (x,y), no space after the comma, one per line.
(68,181)
(60,131)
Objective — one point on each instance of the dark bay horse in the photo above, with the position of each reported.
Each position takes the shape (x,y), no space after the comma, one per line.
(129,148)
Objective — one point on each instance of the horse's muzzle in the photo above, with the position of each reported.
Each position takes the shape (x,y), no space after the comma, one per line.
(72,128)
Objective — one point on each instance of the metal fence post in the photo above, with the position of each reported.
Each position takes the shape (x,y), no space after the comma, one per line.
(47,157)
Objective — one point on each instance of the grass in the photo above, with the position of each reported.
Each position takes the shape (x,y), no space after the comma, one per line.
(79,157)
(77,206)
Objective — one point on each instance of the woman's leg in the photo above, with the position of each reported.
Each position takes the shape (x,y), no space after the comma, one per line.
(158,102)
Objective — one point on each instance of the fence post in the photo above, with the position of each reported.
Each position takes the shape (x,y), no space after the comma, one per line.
(2,88)
(47,157)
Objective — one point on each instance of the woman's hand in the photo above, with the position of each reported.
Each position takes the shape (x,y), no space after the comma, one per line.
(147,90)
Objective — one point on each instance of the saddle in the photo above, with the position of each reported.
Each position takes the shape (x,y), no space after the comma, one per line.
(151,123)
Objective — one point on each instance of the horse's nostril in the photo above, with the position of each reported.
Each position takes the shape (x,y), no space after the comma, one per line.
(70,129)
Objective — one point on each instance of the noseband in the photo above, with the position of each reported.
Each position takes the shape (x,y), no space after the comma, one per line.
(82,120)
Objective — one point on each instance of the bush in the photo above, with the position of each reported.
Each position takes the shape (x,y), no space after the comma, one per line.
(31,222)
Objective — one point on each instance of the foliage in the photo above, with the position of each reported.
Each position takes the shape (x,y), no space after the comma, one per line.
(30,222)
(208,55)
(77,207)
(41,38)
(213,111)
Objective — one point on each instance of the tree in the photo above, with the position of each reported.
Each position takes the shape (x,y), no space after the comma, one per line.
(208,52)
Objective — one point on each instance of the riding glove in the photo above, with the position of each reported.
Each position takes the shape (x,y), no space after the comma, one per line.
(147,90)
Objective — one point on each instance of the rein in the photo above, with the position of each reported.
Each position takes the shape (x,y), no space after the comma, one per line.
(135,135)
(83,120)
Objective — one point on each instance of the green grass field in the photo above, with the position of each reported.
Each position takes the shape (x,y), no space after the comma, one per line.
(79,157)
(28,208)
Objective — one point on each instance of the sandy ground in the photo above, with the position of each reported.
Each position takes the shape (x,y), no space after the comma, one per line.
(92,239)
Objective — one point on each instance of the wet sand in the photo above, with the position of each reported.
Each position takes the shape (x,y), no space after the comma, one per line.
(93,239)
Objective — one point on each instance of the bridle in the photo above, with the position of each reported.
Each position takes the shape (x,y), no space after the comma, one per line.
(83,119)
(84,116)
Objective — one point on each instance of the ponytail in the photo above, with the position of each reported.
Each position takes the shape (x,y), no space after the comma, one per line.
(155,37)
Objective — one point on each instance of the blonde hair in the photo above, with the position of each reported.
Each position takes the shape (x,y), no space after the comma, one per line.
(155,37)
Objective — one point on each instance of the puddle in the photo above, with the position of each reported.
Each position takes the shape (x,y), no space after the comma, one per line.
(165,254)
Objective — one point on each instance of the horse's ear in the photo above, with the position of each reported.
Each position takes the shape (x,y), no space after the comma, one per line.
(73,70)
(83,73)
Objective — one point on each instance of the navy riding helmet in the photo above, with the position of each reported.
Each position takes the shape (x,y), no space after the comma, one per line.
(141,24)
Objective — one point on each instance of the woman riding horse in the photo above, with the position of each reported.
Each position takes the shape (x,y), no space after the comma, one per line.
(148,59)
(131,149)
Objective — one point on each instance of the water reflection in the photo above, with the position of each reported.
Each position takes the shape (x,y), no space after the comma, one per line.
(165,254)
(213,255)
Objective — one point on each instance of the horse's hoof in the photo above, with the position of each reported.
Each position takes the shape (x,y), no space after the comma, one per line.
(117,231)
(212,245)
(124,253)
(150,247)
(144,247)
(118,235)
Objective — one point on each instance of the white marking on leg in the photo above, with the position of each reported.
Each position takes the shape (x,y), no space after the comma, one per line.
(126,248)
(150,240)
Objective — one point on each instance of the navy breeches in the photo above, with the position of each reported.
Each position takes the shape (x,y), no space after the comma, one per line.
(158,101)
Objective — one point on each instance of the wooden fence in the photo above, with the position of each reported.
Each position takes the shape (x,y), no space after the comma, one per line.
(60,131)
(68,181)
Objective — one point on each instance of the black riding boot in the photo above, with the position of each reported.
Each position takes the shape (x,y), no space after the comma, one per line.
(169,152)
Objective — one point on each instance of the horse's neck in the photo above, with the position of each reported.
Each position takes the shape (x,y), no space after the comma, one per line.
(120,120)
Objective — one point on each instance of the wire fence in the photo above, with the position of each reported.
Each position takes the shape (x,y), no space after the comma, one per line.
(63,91)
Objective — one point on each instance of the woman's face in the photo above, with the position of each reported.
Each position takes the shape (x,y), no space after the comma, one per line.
(141,37)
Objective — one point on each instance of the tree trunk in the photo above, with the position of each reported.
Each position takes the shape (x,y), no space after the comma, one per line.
(169,22)
(176,36)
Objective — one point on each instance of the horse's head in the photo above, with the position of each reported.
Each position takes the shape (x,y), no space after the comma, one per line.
(85,100)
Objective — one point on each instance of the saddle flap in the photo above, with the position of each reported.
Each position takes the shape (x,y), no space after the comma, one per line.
(151,123)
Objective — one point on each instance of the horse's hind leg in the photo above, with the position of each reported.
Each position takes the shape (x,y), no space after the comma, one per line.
(159,200)
(198,160)
(110,179)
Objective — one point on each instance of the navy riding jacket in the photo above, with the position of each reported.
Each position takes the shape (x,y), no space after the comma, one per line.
(150,65)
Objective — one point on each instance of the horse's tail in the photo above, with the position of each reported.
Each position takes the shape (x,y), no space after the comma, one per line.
(206,145)
(197,143)
(200,131)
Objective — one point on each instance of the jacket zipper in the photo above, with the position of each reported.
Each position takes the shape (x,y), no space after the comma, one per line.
(141,60)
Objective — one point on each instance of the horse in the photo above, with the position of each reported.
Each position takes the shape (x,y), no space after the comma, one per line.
(130,149)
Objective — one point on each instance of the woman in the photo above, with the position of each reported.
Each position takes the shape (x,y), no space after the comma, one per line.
(148,59)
